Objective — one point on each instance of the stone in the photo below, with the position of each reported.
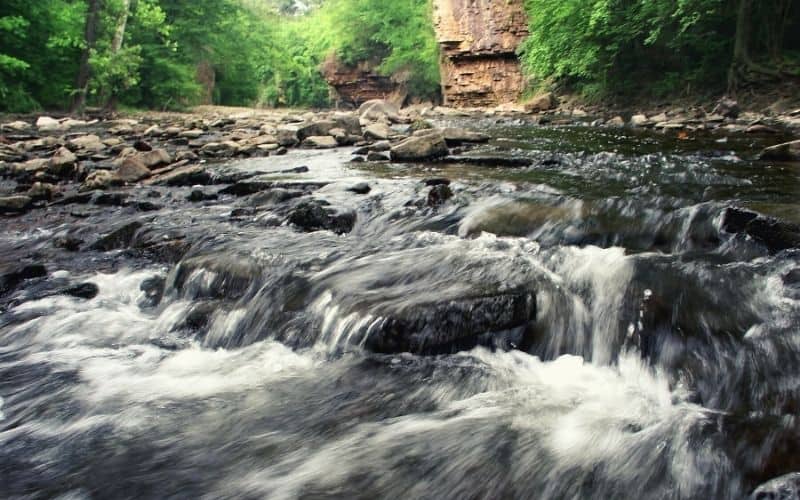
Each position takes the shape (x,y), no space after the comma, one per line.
(11,278)
(287,136)
(32,166)
(62,162)
(478,41)
(313,216)
(377,156)
(617,121)
(183,176)
(355,84)
(456,136)
(542,102)
(154,131)
(380,110)
(99,179)
(360,188)
(220,149)
(132,169)
(315,129)
(142,146)
(48,124)
(197,196)
(640,120)
(782,488)
(86,291)
(438,195)
(760,128)
(788,151)
(774,234)
(194,133)
(15,204)
(41,191)
(155,158)
(89,142)
(320,142)
(378,131)
(418,148)
(122,237)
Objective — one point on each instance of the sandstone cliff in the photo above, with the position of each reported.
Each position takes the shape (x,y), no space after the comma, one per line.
(478,41)
(352,86)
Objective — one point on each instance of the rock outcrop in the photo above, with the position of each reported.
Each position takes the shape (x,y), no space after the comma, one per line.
(351,86)
(478,41)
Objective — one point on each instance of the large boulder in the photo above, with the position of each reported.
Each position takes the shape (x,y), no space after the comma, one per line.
(314,216)
(62,162)
(380,110)
(155,158)
(378,131)
(788,151)
(132,170)
(542,102)
(421,147)
(315,129)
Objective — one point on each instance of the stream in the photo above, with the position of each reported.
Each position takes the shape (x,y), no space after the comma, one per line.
(620,319)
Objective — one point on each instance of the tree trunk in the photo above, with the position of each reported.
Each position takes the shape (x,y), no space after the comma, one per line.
(116,46)
(743,68)
(85,70)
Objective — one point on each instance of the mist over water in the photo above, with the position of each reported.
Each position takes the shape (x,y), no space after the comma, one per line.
(586,327)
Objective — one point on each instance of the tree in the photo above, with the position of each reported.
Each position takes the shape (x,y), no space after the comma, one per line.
(84,70)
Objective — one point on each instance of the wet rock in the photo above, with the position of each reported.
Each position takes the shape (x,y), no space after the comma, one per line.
(41,191)
(437,181)
(11,278)
(419,148)
(197,196)
(788,151)
(229,276)
(456,136)
(86,291)
(220,149)
(320,142)
(451,325)
(490,161)
(68,243)
(376,156)
(313,216)
(776,235)
(360,188)
(15,204)
(184,176)
(121,237)
(246,188)
(438,195)
(132,170)
(782,488)
(153,289)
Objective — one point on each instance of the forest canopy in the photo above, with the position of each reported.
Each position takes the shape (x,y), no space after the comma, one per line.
(168,54)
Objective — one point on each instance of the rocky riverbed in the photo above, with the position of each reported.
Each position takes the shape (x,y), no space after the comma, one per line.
(423,302)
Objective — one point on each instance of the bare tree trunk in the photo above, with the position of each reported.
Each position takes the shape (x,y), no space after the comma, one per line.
(743,67)
(116,46)
(85,70)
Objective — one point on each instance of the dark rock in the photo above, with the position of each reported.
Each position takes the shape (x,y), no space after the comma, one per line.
(230,276)
(153,289)
(438,195)
(281,151)
(792,277)
(86,291)
(357,159)
(68,243)
(313,216)
(452,325)
(782,488)
(490,161)
(774,234)
(142,146)
(198,196)
(185,176)
(121,237)
(727,107)
(360,188)
(376,156)
(437,181)
(296,170)
(246,188)
(110,199)
(788,151)
(317,128)
(146,206)
(12,278)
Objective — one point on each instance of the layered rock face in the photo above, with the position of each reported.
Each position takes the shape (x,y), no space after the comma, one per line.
(352,86)
(478,41)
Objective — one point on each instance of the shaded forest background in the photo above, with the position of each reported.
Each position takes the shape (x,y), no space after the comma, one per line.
(170,54)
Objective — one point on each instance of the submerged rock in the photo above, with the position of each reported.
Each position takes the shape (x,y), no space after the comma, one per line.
(121,237)
(782,488)
(788,151)
(439,194)
(313,216)
(776,235)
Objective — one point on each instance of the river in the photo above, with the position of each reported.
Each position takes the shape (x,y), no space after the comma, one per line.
(600,324)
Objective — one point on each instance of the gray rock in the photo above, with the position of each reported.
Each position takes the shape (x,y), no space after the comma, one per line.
(418,148)
(315,129)
(320,142)
(15,204)
(456,136)
(377,156)
(380,110)
(99,179)
(378,131)
(184,176)
(782,488)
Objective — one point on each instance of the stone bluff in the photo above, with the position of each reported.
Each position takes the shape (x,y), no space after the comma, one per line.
(478,41)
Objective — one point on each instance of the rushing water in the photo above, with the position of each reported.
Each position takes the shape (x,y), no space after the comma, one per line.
(657,354)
